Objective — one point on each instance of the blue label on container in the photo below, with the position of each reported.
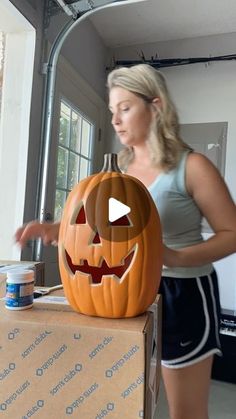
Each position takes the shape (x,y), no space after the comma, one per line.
(19,295)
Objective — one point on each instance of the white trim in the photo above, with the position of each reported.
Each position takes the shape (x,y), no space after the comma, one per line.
(214,311)
(14,128)
(193,361)
(72,87)
(206,332)
(68,70)
(13,20)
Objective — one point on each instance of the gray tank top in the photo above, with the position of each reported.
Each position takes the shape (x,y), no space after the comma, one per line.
(180,217)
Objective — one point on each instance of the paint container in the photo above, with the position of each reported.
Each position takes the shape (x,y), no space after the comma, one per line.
(19,289)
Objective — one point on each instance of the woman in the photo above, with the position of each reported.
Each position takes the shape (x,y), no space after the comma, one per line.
(185,187)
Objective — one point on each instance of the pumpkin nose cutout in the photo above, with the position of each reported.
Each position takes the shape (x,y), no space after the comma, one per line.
(96,239)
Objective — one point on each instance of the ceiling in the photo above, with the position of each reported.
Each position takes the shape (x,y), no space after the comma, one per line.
(164,20)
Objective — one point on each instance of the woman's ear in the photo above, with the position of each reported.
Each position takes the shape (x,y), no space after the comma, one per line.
(156,104)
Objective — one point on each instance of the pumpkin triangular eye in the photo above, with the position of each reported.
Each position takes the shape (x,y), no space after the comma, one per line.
(96,239)
(122,221)
(81,218)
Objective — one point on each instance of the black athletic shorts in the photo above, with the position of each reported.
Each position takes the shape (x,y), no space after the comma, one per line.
(190,319)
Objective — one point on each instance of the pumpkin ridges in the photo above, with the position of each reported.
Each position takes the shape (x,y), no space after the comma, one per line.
(138,285)
(104,300)
(141,248)
(117,294)
(68,289)
(102,303)
(109,299)
(122,293)
(121,306)
(86,306)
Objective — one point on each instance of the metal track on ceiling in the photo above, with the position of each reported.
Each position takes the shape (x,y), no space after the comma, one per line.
(75,8)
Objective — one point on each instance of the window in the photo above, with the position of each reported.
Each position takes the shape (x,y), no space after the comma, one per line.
(74,153)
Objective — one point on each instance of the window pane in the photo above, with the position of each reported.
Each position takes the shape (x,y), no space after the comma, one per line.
(84,164)
(74,152)
(64,133)
(73,170)
(86,131)
(59,204)
(75,132)
(62,167)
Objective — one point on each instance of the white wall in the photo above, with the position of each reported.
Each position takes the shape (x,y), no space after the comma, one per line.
(203,93)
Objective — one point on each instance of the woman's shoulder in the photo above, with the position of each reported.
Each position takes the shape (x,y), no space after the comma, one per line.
(197,161)
(201,172)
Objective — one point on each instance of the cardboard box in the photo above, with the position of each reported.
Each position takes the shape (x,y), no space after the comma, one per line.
(55,363)
(38,267)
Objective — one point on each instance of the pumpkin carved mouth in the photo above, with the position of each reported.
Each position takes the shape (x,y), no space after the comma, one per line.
(97,272)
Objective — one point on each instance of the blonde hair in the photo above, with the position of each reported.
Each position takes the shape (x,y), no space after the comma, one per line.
(164,142)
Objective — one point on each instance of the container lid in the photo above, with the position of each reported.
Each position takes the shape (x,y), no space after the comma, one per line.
(20,274)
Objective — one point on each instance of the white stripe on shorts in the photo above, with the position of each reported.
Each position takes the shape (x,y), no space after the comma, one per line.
(205,334)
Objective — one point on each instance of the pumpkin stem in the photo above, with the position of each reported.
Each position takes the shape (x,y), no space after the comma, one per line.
(110,163)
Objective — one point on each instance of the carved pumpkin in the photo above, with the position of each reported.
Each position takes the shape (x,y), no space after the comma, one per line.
(110,269)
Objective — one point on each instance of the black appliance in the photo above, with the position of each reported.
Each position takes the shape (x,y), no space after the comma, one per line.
(224,367)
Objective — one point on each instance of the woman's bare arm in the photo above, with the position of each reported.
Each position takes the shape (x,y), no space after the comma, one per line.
(48,232)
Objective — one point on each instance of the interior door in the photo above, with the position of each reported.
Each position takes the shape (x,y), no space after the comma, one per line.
(75,143)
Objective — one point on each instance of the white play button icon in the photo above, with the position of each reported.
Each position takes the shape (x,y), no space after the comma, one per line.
(116,209)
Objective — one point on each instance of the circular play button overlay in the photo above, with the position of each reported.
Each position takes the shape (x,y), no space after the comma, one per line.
(118,208)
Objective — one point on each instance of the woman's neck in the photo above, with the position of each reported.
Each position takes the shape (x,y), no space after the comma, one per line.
(141,155)
(141,166)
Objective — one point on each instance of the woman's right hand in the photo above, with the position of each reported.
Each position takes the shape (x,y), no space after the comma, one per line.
(48,232)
